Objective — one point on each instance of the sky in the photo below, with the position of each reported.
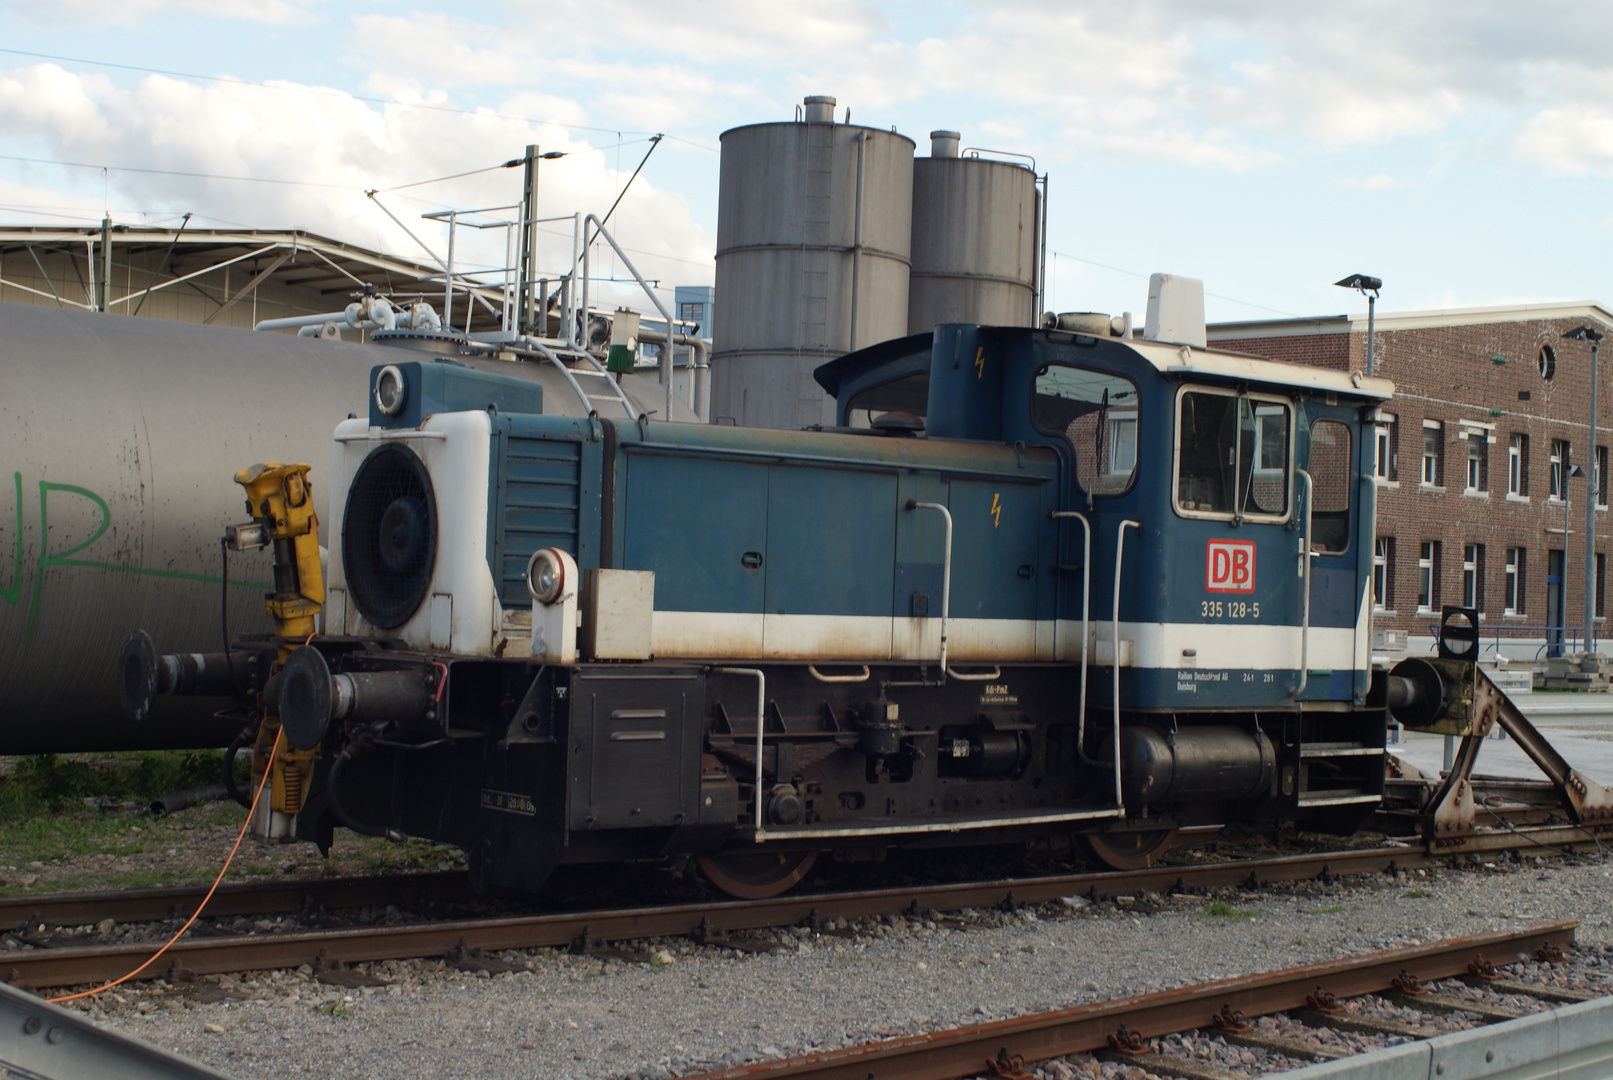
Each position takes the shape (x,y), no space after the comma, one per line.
(1461,151)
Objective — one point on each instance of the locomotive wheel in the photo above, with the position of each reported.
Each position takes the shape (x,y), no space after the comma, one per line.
(1128,850)
(759,876)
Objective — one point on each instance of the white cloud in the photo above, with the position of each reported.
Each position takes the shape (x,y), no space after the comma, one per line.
(131,12)
(334,147)
(1575,139)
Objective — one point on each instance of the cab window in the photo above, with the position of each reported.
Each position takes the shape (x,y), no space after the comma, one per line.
(909,394)
(1096,412)
(1330,485)
(1233,457)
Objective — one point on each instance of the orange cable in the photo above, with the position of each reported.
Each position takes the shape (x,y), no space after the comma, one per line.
(267,770)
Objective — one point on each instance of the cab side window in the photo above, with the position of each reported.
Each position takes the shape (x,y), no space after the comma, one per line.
(1232,455)
(1330,485)
(1097,413)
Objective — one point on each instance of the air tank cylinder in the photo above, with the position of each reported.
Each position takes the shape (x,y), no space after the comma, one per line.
(1194,763)
(974,240)
(813,228)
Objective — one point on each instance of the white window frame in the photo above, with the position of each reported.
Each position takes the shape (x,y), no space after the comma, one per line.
(1599,481)
(1380,574)
(1425,575)
(1513,597)
(1470,575)
(1559,478)
(1122,435)
(1515,464)
(1429,476)
(1176,454)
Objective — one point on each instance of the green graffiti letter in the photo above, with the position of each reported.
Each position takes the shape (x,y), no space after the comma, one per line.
(14,594)
(47,560)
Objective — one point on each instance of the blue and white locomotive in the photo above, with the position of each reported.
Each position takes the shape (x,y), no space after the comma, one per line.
(1036,584)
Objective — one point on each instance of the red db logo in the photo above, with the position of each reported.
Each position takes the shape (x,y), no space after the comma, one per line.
(1229,566)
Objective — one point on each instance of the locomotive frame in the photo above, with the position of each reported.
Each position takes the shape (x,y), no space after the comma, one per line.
(1035,584)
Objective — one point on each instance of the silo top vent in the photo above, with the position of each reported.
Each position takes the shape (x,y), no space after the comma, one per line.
(944,144)
(820,109)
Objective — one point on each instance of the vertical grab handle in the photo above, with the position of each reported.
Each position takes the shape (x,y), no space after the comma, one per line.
(946,574)
(761,725)
(1086,610)
(1120,551)
(1305,587)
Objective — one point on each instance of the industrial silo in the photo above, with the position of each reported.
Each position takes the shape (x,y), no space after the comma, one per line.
(974,240)
(813,227)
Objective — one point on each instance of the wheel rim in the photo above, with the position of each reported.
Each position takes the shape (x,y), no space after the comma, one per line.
(759,876)
(1129,850)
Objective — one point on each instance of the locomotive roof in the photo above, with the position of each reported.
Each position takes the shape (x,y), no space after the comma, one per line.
(1185,360)
(1164,357)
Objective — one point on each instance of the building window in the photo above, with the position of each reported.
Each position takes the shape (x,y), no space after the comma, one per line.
(1383,561)
(1433,446)
(1427,574)
(1518,465)
(1514,598)
(1475,461)
(1473,576)
(1601,578)
(1383,449)
(1559,468)
(1548,362)
(1601,477)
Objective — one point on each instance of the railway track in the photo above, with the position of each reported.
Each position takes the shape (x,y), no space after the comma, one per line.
(1122,1027)
(713,922)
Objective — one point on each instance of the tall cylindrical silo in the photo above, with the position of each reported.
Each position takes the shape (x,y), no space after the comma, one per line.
(974,240)
(813,229)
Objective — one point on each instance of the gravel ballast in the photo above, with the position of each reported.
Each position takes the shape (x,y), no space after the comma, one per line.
(698,1007)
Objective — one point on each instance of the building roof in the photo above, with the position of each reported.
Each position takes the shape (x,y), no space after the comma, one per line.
(287,257)
(1413,320)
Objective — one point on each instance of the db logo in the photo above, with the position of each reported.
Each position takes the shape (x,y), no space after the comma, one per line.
(1229,566)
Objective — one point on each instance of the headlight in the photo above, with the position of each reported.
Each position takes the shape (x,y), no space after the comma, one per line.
(545,576)
(390,391)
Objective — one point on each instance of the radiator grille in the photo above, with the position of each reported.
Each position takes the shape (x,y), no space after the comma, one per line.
(389,536)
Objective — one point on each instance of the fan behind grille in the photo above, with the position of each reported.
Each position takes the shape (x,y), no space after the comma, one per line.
(389,536)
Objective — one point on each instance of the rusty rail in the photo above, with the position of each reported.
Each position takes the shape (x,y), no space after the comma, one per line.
(974,1050)
(245,898)
(76,965)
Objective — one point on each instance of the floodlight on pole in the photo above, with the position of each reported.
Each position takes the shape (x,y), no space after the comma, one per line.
(1594,336)
(1367,286)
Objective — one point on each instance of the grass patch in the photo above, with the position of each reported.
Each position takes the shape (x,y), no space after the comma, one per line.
(1416,894)
(43,815)
(845,960)
(1220,909)
(1336,909)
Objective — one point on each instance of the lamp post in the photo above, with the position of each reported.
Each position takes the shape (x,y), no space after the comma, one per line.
(1594,336)
(1368,287)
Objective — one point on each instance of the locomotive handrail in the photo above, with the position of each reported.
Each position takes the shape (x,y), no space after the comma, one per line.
(1120,551)
(821,677)
(1305,577)
(946,573)
(761,725)
(946,599)
(1086,604)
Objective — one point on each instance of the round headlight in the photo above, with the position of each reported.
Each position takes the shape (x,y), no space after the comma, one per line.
(545,576)
(390,391)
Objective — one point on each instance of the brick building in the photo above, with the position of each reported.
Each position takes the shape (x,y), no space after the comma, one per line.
(1473,459)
